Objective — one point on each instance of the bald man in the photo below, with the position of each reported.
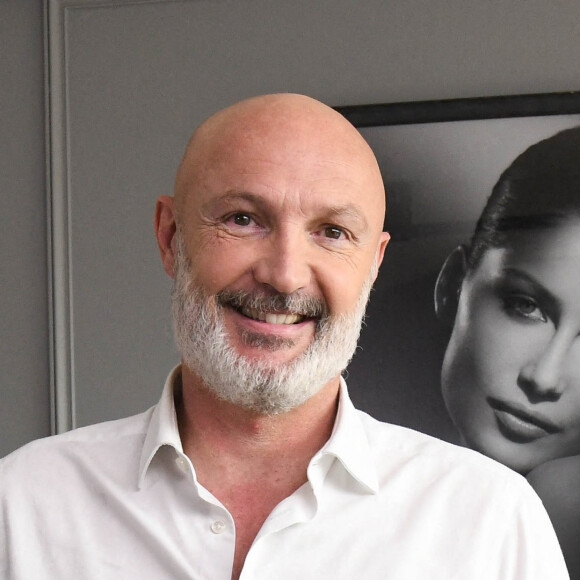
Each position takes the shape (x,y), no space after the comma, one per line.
(255,464)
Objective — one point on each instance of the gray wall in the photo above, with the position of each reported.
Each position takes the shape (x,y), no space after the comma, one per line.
(24,343)
(128,83)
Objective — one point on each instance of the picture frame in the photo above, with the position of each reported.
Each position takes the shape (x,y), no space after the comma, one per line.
(440,161)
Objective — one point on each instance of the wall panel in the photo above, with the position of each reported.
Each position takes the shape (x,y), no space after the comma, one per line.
(24,358)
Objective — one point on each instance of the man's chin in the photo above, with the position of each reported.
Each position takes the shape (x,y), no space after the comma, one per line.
(253,342)
(268,350)
(265,360)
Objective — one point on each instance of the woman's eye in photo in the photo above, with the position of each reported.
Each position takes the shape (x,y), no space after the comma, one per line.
(524,306)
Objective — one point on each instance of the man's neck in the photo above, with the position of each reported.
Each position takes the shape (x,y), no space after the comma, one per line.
(249,461)
(211,428)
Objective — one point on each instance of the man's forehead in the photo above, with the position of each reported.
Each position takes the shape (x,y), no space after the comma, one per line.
(283,131)
(283,143)
(285,159)
(277,120)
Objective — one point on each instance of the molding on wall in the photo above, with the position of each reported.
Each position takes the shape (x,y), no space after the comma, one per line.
(48,201)
(60,291)
(60,294)
(60,262)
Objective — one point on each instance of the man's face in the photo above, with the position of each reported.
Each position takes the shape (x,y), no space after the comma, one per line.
(277,219)
(511,375)
(282,236)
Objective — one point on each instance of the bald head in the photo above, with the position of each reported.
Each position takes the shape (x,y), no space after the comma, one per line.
(278,125)
(277,198)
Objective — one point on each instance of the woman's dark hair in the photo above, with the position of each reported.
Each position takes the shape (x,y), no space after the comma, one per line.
(540,188)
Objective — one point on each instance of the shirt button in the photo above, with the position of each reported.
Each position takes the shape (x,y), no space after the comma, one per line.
(181,462)
(218,527)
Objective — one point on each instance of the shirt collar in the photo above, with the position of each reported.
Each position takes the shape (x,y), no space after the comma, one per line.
(348,442)
(350,445)
(163,428)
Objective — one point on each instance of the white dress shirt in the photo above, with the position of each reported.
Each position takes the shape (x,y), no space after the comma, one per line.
(120,500)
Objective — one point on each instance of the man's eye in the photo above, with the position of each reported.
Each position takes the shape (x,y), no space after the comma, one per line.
(525,307)
(333,232)
(241,219)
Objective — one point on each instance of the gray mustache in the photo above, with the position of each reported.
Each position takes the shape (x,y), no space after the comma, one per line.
(296,303)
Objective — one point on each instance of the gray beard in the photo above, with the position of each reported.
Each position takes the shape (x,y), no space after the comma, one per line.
(201,338)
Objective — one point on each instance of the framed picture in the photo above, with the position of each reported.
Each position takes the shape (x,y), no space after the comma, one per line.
(440,161)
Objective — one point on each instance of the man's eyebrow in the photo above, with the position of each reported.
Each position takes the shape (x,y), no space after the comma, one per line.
(349,211)
(239,194)
(233,196)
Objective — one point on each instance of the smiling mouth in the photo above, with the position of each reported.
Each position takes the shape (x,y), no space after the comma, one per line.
(278,309)
(272,317)
(519,424)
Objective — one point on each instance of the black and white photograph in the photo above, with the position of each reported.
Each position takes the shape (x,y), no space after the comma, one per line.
(468,333)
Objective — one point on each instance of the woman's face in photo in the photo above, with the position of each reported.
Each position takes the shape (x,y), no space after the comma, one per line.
(511,374)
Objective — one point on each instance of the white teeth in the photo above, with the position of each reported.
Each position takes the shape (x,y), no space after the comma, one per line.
(270,317)
(282,318)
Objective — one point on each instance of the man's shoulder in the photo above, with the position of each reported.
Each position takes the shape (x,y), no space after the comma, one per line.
(397,449)
(57,455)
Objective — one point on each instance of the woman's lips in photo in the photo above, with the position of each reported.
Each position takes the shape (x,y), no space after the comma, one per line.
(519,423)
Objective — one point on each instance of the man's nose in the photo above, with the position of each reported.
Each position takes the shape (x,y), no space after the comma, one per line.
(283,263)
(547,375)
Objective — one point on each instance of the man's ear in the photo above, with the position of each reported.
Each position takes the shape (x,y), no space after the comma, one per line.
(448,285)
(383,241)
(165,228)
